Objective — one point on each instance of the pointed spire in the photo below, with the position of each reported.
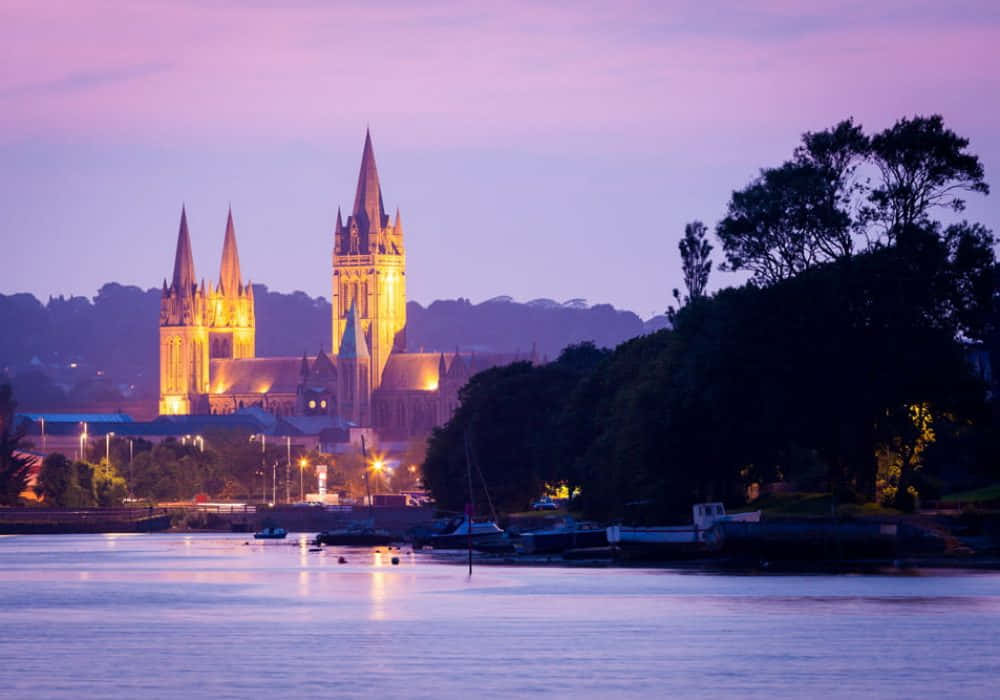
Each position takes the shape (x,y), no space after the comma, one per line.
(184,281)
(304,368)
(340,223)
(368,211)
(398,225)
(229,270)
(353,344)
(442,367)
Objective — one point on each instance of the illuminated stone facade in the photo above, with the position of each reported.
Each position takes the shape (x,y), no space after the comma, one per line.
(184,356)
(369,272)
(199,324)
(207,347)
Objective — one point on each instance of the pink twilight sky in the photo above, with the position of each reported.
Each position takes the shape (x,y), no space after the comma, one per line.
(535,149)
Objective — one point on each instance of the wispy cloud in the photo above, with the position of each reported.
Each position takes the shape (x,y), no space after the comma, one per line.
(455,73)
(82,81)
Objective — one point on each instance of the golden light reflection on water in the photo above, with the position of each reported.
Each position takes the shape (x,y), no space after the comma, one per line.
(304,584)
(111,538)
(303,550)
(378,595)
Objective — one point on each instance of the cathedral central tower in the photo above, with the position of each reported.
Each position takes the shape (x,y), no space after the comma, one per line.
(369,273)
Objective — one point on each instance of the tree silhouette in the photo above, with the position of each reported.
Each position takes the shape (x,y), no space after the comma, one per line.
(14,465)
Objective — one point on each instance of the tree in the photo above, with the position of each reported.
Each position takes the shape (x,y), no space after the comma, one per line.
(798,215)
(14,465)
(923,165)
(696,261)
(837,153)
(65,484)
(784,222)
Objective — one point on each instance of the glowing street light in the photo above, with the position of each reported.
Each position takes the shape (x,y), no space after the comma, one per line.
(377,467)
(107,447)
(83,443)
(303,463)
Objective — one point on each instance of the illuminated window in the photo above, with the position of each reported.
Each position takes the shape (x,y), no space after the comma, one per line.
(322,404)
(312,404)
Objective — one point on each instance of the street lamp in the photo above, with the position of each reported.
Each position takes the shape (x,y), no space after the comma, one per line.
(263,465)
(83,443)
(288,469)
(377,466)
(303,463)
(274,483)
(42,418)
(107,448)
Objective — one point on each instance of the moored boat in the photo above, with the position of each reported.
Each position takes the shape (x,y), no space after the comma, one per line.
(484,535)
(271,533)
(361,534)
(704,535)
(570,534)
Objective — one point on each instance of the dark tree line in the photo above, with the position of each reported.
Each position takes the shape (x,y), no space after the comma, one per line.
(843,366)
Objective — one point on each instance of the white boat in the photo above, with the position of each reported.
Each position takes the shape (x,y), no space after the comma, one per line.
(700,536)
(457,537)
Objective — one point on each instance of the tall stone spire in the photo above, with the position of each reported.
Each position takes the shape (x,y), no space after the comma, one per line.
(353,344)
(229,271)
(184,280)
(369,211)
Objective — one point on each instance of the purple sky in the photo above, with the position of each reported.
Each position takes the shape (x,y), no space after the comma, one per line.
(537,150)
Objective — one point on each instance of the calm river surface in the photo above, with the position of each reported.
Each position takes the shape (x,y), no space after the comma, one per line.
(207,615)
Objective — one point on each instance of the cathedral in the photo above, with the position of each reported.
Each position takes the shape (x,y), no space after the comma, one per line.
(208,362)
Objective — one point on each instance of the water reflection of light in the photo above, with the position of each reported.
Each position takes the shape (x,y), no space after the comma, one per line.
(378,595)
(303,550)
(304,584)
(84,575)
(111,538)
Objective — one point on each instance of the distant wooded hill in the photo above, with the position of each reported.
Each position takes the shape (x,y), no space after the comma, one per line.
(103,344)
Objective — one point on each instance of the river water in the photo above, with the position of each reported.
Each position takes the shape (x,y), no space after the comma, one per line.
(209,615)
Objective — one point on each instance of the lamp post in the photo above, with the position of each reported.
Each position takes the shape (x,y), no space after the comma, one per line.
(83,443)
(302,490)
(377,466)
(107,448)
(288,469)
(43,434)
(130,466)
(274,483)
(263,465)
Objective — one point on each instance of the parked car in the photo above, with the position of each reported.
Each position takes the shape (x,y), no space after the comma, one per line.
(544,504)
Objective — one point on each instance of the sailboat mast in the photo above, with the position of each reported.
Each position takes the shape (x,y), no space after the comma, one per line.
(470,507)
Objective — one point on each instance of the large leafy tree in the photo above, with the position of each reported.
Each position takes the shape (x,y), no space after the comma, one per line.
(14,464)
(503,432)
(923,166)
(797,215)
